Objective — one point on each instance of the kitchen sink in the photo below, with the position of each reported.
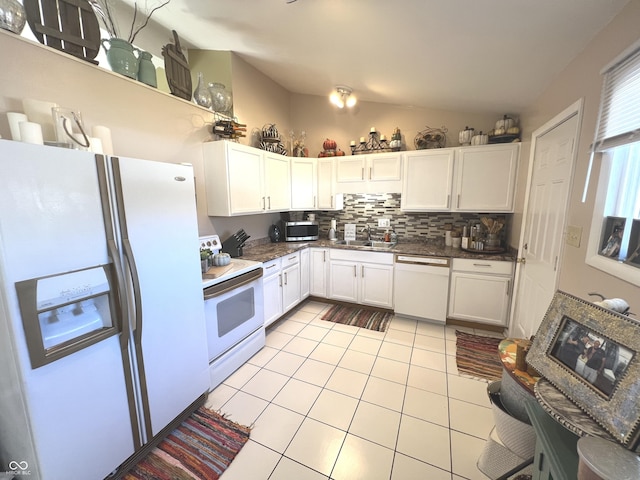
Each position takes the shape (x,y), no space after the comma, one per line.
(366,244)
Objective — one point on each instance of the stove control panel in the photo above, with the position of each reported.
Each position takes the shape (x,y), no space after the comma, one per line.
(212,242)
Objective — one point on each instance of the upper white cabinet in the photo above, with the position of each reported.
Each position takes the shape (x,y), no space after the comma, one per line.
(470,179)
(372,173)
(328,198)
(427,180)
(303,184)
(277,181)
(242,180)
(486,178)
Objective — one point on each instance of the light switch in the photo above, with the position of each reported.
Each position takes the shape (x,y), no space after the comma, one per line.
(574,234)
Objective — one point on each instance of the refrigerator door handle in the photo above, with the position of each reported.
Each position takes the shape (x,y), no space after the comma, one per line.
(114,255)
(136,321)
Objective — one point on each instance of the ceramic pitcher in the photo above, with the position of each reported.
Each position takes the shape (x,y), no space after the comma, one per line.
(121,57)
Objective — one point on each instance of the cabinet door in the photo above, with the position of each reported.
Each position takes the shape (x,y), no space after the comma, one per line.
(486,178)
(277,179)
(304,274)
(303,184)
(376,285)
(343,281)
(427,180)
(272,288)
(351,169)
(479,298)
(290,286)
(384,167)
(326,183)
(319,272)
(245,179)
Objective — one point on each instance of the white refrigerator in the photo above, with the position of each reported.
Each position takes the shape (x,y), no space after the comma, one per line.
(102,331)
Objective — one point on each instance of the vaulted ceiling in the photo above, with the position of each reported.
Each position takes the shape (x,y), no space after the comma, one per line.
(466,55)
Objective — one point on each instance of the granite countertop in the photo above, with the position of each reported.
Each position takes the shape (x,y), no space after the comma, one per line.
(264,252)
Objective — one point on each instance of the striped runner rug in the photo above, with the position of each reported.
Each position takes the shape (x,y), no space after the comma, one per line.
(478,356)
(358,317)
(201,447)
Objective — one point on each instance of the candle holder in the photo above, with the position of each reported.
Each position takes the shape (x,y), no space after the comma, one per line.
(374,143)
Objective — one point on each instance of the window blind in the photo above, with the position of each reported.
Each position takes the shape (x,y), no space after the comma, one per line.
(619,122)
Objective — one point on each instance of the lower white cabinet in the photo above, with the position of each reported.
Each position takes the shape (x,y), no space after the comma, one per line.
(272,288)
(319,272)
(480,291)
(361,277)
(290,281)
(281,284)
(305,272)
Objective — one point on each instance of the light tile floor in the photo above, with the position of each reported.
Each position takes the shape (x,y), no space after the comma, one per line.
(329,401)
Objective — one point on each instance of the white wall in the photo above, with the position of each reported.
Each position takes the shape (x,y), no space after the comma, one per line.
(582,79)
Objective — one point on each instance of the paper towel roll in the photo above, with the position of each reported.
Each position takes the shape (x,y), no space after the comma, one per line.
(31,132)
(333,224)
(14,119)
(104,134)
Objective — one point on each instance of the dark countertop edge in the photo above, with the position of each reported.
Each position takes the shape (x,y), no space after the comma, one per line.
(265,252)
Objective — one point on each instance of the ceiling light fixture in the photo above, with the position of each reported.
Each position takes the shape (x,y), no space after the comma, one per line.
(342,97)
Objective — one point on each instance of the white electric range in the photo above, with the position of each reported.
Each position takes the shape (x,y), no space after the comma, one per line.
(234,313)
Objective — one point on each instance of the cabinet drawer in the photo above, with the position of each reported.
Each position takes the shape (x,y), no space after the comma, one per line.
(272,267)
(290,259)
(492,267)
(361,256)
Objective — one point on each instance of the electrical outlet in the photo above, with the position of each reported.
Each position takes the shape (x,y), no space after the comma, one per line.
(384,223)
(574,235)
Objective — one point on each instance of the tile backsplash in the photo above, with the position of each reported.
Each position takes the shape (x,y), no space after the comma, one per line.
(364,209)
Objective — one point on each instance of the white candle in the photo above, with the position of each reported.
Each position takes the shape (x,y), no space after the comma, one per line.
(383,137)
(14,123)
(31,132)
(361,139)
(353,143)
(95,145)
(104,134)
(373,129)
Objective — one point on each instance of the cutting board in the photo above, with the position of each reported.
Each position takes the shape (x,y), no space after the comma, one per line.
(177,69)
(215,272)
(67,25)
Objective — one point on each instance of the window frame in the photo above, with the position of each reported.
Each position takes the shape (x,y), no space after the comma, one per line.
(612,266)
(600,154)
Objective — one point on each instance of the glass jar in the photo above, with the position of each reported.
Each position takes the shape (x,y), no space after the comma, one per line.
(220,98)
(12,16)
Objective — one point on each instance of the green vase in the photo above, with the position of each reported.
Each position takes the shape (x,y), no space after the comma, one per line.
(146,70)
(121,58)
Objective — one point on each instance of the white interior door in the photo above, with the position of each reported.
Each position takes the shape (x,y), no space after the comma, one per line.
(541,239)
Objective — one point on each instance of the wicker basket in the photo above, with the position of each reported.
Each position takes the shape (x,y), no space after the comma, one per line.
(496,459)
(517,436)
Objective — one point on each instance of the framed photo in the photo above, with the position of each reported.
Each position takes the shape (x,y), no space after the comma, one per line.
(612,237)
(590,354)
(633,253)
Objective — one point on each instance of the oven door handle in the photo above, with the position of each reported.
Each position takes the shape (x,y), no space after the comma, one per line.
(235,282)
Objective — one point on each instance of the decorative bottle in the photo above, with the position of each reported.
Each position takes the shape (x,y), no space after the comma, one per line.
(201,94)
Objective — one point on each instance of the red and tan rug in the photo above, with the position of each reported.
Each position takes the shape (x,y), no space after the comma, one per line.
(478,356)
(202,447)
(358,317)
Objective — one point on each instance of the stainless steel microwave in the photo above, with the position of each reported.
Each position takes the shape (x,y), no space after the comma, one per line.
(300,231)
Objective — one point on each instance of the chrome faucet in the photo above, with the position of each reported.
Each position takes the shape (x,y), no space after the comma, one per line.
(367,229)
